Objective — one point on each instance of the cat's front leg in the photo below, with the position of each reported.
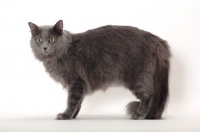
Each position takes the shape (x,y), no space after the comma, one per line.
(75,97)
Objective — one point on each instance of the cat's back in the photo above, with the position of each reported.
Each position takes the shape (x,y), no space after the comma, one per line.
(104,37)
(111,35)
(113,28)
(114,39)
(113,32)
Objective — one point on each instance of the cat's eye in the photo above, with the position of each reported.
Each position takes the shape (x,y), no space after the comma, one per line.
(51,40)
(39,40)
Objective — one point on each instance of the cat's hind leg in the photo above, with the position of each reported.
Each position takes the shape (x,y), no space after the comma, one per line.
(143,90)
(139,110)
(132,109)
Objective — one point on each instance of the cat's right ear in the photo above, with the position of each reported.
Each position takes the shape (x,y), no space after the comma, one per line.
(34,28)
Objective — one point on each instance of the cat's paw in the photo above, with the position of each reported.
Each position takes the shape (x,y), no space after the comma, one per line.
(137,116)
(134,116)
(61,116)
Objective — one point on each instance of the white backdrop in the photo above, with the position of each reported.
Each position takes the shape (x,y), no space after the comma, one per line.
(25,87)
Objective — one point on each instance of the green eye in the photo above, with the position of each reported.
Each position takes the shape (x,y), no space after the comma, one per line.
(39,40)
(51,40)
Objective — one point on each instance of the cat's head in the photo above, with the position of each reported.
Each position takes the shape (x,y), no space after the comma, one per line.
(48,40)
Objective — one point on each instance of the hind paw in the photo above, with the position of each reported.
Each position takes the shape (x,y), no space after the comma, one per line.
(137,116)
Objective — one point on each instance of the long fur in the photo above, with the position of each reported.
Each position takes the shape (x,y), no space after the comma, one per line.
(160,83)
(95,59)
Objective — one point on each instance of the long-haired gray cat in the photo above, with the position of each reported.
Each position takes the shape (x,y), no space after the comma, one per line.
(89,61)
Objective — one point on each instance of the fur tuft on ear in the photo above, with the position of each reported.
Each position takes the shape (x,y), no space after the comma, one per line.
(34,28)
(58,27)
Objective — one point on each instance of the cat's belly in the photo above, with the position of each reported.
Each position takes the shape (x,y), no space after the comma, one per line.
(115,83)
(104,85)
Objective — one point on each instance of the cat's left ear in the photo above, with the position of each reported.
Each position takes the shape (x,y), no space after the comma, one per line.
(58,27)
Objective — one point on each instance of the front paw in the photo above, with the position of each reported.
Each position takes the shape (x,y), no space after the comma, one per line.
(61,116)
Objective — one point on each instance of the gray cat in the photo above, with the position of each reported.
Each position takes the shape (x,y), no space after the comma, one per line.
(89,61)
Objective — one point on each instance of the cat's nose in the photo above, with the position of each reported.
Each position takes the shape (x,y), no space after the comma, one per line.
(45,48)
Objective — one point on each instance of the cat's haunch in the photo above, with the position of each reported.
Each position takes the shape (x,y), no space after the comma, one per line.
(92,60)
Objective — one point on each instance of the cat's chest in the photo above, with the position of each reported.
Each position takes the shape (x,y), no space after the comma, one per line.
(56,69)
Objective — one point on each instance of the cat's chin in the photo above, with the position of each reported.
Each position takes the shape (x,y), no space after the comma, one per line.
(46,53)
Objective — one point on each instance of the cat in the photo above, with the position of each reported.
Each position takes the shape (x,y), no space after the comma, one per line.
(89,61)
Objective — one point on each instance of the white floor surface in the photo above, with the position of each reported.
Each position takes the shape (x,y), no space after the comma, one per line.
(104,123)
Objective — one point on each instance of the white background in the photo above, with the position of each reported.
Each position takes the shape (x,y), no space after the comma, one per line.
(27,90)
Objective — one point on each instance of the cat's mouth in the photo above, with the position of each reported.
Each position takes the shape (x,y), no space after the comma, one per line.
(46,53)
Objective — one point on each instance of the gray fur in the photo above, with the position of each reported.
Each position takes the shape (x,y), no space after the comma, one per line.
(86,62)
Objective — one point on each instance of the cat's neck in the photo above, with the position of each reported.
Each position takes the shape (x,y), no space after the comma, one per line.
(56,66)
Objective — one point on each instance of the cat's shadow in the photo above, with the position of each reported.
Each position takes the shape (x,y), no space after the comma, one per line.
(81,117)
(177,81)
(85,117)
(101,117)
(108,117)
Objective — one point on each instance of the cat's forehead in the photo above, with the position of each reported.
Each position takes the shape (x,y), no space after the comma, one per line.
(45,31)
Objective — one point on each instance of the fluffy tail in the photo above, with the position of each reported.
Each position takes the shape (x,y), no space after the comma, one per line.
(161,91)
(159,99)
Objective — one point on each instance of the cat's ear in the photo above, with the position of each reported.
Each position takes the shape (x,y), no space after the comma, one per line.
(34,28)
(58,27)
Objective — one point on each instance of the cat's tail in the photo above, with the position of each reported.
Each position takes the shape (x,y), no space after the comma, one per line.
(160,77)
(158,99)
(160,96)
